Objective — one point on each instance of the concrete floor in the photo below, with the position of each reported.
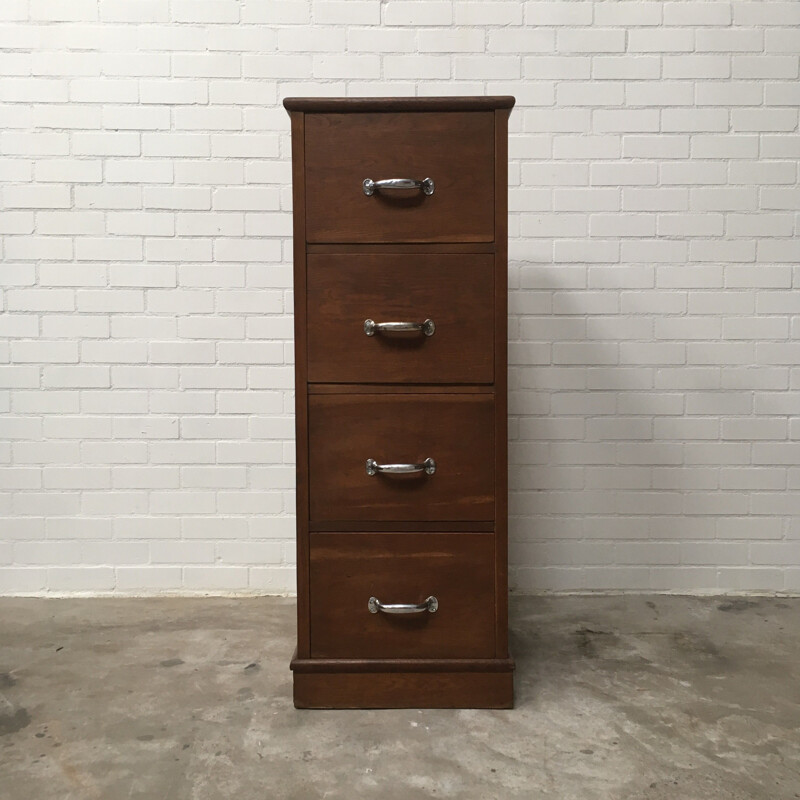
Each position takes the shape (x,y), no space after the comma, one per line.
(618,698)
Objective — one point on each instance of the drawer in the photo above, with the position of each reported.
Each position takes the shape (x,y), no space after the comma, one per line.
(456,292)
(347,569)
(455,150)
(455,430)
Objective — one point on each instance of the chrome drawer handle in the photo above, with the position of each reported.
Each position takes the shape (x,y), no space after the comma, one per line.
(371,327)
(374,605)
(428,466)
(370,185)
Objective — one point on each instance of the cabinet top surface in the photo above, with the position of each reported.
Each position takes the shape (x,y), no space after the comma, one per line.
(342,105)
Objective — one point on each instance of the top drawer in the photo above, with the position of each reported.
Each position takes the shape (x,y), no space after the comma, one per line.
(454,149)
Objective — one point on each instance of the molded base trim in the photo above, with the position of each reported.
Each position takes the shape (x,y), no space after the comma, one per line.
(484,683)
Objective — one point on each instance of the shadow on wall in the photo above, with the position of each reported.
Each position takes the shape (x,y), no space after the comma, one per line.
(615,448)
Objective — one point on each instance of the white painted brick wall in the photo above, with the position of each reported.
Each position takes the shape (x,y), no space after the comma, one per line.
(146,430)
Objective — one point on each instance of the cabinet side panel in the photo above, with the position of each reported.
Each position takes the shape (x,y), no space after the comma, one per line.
(300,375)
(501,378)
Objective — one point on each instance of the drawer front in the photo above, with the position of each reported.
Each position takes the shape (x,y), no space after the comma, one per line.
(347,569)
(455,292)
(455,430)
(455,150)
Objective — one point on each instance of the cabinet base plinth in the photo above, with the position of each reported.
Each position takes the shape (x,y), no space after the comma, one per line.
(458,685)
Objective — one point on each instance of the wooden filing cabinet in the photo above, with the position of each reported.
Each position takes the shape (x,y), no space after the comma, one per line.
(400,216)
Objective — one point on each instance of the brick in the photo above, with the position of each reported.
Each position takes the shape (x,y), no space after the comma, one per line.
(80,579)
(765,67)
(741,40)
(78,528)
(149,377)
(181,352)
(202,327)
(36,196)
(179,249)
(218,527)
(782,94)
(762,172)
(60,115)
(624,174)
(70,222)
(148,579)
(213,477)
(306,40)
(135,64)
(140,170)
(627,66)
(591,40)
(80,377)
(216,224)
(176,144)
(782,40)
(76,478)
(108,197)
(182,552)
(130,352)
(177,197)
(661,40)
(117,248)
(689,13)
(626,120)
(103,90)
(132,11)
(627,14)
(249,502)
(431,13)
(217,577)
(252,402)
(115,401)
(175,37)
(697,67)
(136,117)
(212,11)
(769,13)
(764,119)
(503,40)
(345,66)
(678,120)
(417,66)
(44,351)
(66,427)
(663,93)
(206,65)
(280,66)
(592,93)
(578,67)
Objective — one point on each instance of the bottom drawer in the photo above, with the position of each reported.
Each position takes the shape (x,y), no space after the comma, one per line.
(347,569)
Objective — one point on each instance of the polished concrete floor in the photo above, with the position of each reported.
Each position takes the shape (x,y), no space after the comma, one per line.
(618,698)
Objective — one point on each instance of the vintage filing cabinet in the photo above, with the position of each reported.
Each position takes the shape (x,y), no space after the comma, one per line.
(400,287)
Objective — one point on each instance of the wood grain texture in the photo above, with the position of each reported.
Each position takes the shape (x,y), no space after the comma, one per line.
(501,378)
(300,375)
(349,568)
(455,291)
(355,531)
(345,105)
(456,430)
(401,664)
(400,388)
(403,247)
(456,150)
(404,690)
(439,525)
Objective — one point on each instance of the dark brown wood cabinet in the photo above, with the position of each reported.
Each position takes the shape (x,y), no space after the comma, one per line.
(402,476)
